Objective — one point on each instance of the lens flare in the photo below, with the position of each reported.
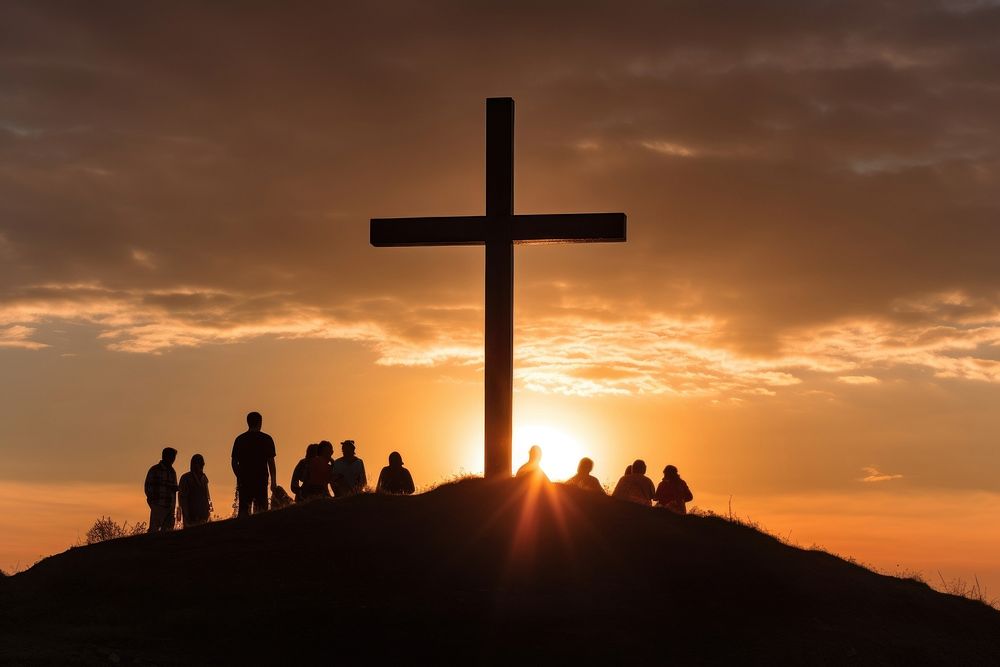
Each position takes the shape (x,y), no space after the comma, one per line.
(561,452)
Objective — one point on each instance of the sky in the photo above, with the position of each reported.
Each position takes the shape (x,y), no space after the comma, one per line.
(805,317)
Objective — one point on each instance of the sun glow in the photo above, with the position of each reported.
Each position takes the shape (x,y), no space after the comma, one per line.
(561,452)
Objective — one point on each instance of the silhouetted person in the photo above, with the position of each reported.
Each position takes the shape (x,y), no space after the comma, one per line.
(319,473)
(161,492)
(533,468)
(583,479)
(193,493)
(394,478)
(299,473)
(673,492)
(253,463)
(635,487)
(348,472)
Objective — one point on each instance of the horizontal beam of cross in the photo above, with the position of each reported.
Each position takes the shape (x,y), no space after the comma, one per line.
(478,229)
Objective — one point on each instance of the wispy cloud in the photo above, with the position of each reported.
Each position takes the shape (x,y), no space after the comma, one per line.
(19,336)
(858,379)
(573,348)
(143,258)
(873,474)
(669,148)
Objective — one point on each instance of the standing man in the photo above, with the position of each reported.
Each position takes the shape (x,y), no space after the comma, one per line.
(253,462)
(161,492)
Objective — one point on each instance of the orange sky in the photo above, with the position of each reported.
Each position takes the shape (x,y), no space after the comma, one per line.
(806,315)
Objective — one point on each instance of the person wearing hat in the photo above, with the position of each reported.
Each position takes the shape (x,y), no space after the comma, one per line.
(394,478)
(348,472)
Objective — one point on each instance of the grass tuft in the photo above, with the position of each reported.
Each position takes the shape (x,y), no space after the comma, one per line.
(105,529)
(968,589)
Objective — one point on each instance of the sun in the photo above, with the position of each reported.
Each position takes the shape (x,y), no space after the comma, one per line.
(561,452)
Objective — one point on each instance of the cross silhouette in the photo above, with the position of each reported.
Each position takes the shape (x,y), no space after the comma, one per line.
(499,230)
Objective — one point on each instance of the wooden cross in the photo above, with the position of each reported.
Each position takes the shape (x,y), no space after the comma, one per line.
(499,230)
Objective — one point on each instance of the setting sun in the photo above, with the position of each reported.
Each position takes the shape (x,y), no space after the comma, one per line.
(561,452)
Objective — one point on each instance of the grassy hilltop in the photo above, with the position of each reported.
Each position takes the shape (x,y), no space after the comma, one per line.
(477,572)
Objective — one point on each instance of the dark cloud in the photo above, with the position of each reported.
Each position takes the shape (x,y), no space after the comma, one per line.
(786,166)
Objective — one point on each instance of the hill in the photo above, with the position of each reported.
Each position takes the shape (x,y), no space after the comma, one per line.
(477,572)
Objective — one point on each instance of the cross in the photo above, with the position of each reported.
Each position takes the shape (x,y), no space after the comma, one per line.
(499,230)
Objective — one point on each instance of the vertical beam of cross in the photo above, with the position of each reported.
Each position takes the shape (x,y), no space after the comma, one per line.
(499,285)
(499,230)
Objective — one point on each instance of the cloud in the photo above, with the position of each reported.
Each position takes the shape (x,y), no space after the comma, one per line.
(19,336)
(873,474)
(571,346)
(669,148)
(811,196)
(858,379)
(143,258)
(949,339)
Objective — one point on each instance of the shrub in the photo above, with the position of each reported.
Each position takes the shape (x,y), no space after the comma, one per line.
(106,529)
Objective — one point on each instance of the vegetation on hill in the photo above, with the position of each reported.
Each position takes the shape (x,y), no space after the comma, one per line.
(105,529)
(478,572)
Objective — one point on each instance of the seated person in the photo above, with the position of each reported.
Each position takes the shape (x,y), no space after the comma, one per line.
(584,480)
(394,478)
(533,467)
(673,492)
(635,487)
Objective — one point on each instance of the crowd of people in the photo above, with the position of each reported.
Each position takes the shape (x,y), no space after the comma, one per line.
(318,474)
